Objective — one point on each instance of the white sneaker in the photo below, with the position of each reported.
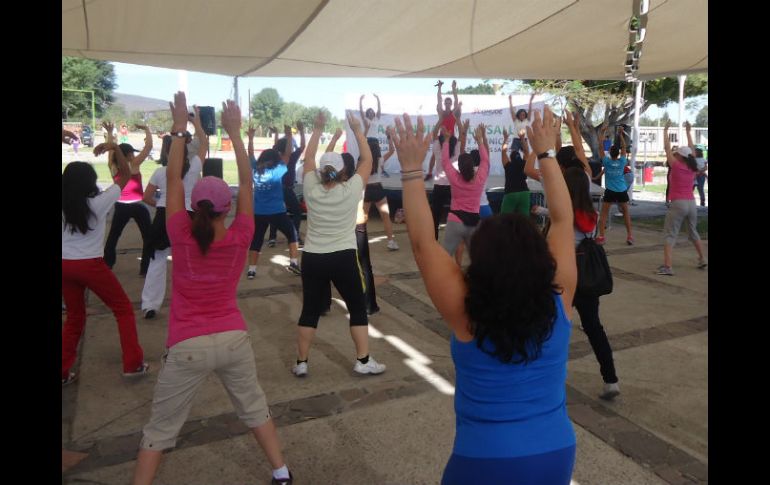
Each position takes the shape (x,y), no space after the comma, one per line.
(371,367)
(393,245)
(300,370)
(610,391)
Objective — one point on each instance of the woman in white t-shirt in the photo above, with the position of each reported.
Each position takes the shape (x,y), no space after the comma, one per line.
(84,216)
(330,246)
(521,120)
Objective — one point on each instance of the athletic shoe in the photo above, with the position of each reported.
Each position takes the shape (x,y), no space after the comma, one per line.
(283,481)
(142,370)
(610,392)
(300,370)
(72,377)
(371,367)
(300,242)
(251,275)
(393,245)
(271,243)
(630,241)
(702,263)
(372,311)
(665,270)
(294,268)
(149,314)
(326,311)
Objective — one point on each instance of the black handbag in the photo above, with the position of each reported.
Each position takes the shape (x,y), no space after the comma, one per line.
(594,277)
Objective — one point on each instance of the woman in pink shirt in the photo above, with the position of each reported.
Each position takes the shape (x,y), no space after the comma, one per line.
(206,331)
(467,186)
(683,170)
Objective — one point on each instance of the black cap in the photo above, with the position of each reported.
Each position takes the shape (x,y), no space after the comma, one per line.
(126,148)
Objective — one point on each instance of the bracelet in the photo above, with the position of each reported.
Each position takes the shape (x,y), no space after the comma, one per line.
(411,171)
(412,176)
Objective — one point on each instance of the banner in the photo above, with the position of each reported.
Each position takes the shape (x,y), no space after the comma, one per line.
(492,110)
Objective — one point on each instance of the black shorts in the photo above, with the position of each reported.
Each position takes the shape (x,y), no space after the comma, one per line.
(615,197)
(374,192)
(262,222)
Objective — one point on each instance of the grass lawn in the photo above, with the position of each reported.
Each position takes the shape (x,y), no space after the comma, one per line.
(229,171)
(661,188)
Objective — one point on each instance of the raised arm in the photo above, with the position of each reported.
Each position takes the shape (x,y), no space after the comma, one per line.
(561,239)
(666,141)
(231,122)
(456,100)
(109,127)
(504,148)
(289,144)
(439,110)
(363,116)
(391,150)
(464,126)
(301,130)
(510,106)
(573,122)
(688,127)
(484,137)
(312,144)
(529,108)
(379,112)
(200,134)
(364,168)
(122,165)
(250,133)
(529,166)
(602,131)
(621,135)
(142,156)
(443,278)
(333,141)
(67,136)
(174,185)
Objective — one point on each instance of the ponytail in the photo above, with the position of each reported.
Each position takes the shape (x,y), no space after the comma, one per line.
(329,174)
(465,164)
(202,226)
(692,164)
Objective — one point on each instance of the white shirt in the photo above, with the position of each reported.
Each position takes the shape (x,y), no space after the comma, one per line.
(519,125)
(439,176)
(91,244)
(331,213)
(374,126)
(701,163)
(191,178)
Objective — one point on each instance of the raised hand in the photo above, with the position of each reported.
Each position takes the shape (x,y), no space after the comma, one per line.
(542,132)
(411,146)
(362,97)
(337,133)
(231,118)
(287,131)
(687,125)
(179,113)
(454,85)
(354,124)
(251,131)
(300,126)
(141,127)
(104,148)
(479,132)
(320,121)
(505,135)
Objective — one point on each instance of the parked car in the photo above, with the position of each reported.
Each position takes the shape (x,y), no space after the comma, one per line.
(87,136)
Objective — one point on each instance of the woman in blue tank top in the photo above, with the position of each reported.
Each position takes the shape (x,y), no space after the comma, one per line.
(510,330)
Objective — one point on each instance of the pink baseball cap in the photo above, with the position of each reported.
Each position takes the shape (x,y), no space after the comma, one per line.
(213,189)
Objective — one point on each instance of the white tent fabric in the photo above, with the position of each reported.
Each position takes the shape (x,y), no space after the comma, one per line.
(521,39)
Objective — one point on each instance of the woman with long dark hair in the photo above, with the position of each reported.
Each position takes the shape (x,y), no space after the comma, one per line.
(509,322)
(206,330)
(84,217)
(683,169)
(330,246)
(376,193)
(269,206)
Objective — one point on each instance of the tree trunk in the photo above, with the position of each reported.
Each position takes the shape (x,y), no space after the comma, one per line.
(614,116)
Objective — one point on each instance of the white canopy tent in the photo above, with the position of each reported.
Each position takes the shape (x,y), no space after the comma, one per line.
(521,39)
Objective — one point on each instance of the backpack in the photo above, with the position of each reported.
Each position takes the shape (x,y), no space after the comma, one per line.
(594,277)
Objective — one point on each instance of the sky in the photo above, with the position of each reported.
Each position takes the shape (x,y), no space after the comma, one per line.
(211,89)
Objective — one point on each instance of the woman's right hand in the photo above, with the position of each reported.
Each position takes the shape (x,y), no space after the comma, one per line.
(104,148)
(320,121)
(411,146)
(354,124)
(179,113)
(252,131)
(231,118)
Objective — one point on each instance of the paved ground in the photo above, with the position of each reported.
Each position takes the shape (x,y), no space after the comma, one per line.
(397,428)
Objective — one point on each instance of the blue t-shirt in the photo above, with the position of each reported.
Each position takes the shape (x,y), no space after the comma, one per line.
(268,190)
(510,410)
(613,173)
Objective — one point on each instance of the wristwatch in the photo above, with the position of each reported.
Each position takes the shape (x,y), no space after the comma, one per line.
(180,134)
(547,154)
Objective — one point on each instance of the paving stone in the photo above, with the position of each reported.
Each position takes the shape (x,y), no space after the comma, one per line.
(71,458)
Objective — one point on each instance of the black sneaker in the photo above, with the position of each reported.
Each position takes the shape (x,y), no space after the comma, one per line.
(372,311)
(294,268)
(142,370)
(283,481)
(251,275)
(271,243)
(149,314)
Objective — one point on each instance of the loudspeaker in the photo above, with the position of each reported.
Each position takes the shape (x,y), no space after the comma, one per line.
(208,119)
(213,167)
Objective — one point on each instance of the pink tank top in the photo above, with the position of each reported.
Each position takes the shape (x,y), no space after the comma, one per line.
(133,191)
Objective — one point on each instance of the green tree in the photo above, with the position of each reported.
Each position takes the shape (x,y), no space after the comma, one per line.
(612,102)
(646,121)
(80,73)
(703,117)
(293,112)
(266,108)
(482,88)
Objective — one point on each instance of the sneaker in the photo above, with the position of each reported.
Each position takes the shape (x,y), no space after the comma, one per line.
(72,377)
(271,243)
(300,242)
(149,314)
(702,263)
(326,311)
(665,270)
(372,311)
(294,268)
(630,241)
(300,370)
(600,240)
(371,367)
(283,481)
(393,245)
(142,370)
(610,392)
(251,275)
